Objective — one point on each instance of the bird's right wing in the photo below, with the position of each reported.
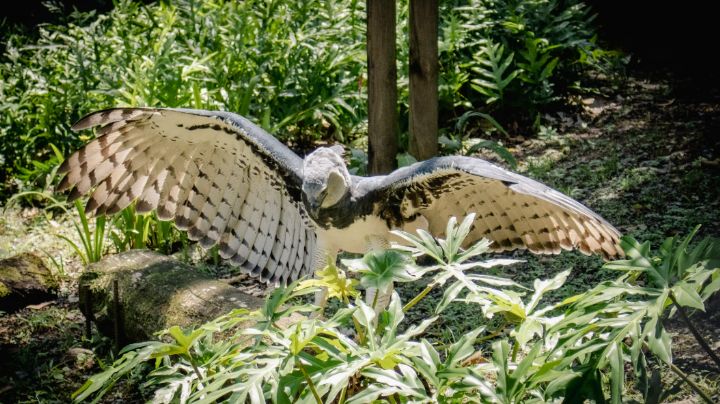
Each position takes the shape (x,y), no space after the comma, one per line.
(215,174)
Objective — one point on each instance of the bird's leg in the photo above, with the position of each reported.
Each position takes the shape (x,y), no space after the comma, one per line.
(382,300)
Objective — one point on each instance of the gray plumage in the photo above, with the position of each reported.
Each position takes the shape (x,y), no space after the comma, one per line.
(279,217)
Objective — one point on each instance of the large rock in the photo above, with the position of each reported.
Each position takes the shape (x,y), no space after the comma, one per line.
(25,280)
(154,292)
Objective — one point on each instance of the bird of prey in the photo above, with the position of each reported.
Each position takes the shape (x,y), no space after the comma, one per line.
(279,216)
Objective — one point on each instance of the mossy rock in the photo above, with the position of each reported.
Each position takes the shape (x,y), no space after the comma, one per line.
(155,292)
(25,280)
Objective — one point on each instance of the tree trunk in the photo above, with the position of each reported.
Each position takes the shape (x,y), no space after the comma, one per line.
(423,78)
(382,86)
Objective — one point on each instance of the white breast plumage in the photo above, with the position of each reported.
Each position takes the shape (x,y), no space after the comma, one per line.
(355,238)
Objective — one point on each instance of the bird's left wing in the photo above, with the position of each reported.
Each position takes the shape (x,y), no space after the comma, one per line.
(215,174)
(511,210)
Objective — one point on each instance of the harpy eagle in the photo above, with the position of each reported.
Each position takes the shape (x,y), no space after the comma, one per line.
(279,216)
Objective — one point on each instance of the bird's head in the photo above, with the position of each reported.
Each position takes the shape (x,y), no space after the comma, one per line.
(326,179)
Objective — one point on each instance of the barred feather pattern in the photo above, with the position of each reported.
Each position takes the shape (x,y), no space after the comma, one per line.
(204,172)
(513,211)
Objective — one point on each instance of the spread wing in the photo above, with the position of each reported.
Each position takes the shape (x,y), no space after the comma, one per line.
(215,174)
(513,211)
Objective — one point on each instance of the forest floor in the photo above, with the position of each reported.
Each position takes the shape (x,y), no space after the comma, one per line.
(643,153)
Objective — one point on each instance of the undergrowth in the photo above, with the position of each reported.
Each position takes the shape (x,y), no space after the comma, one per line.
(529,349)
(297,68)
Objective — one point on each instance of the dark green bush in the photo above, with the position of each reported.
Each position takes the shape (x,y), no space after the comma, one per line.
(295,67)
(514,56)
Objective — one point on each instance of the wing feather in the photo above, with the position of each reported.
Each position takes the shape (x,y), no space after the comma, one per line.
(220,215)
(230,241)
(310,249)
(280,248)
(291,246)
(216,174)
(160,179)
(273,212)
(302,252)
(251,211)
(206,196)
(179,193)
(294,250)
(511,210)
(192,193)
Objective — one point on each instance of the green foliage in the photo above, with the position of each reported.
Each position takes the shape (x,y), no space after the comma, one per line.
(126,229)
(461,142)
(338,285)
(577,349)
(514,56)
(358,162)
(295,67)
(92,233)
(132,230)
(677,270)
(491,66)
(92,240)
(380,268)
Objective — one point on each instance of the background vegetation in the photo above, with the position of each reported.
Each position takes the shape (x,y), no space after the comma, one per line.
(297,68)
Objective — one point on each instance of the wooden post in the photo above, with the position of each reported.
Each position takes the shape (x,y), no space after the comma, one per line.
(382,86)
(423,78)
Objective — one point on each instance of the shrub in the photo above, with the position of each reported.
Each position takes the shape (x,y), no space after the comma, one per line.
(295,67)
(514,57)
(574,349)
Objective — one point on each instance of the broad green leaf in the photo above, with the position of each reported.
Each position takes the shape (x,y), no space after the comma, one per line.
(713,286)
(501,350)
(382,268)
(543,286)
(617,373)
(365,316)
(658,339)
(493,280)
(395,313)
(687,295)
(449,296)
(463,348)
(587,386)
(424,243)
(183,339)
(405,159)
(496,147)
(558,382)
(517,378)
(391,380)
(527,330)
(337,284)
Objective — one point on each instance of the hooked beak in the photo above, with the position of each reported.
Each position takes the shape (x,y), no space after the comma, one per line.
(315,208)
(313,203)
